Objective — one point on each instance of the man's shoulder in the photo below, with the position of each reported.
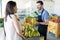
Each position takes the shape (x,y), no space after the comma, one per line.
(45,11)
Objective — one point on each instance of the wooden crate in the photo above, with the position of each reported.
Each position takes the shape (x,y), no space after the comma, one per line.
(28,20)
(54,28)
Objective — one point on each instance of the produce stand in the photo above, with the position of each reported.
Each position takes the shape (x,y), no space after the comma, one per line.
(54,28)
(54,25)
(29,29)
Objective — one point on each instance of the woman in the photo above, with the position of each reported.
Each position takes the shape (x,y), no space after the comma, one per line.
(11,23)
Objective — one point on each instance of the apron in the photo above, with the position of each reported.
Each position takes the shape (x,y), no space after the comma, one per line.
(42,28)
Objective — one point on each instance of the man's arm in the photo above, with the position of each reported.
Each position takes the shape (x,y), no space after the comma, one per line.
(44,23)
(45,19)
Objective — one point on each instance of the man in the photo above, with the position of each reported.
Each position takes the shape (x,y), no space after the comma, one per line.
(42,21)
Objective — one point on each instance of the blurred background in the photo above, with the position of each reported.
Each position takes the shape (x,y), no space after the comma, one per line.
(27,7)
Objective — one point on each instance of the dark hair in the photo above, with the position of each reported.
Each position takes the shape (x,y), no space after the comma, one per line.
(41,2)
(9,8)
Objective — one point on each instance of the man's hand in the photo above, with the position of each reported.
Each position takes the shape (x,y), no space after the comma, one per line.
(43,23)
(37,23)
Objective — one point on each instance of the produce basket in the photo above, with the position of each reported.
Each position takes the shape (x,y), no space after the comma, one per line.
(31,21)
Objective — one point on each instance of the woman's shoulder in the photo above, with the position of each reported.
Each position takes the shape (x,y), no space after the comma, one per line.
(12,15)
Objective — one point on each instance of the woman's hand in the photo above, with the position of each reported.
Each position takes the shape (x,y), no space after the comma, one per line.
(22,32)
(23,37)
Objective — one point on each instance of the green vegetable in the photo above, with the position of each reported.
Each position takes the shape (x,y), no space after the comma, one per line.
(1,20)
(29,17)
(0,24)
(36,12)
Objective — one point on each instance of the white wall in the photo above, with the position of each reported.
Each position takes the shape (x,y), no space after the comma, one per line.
(21,3)
(57,7)
(4,2)
(0,11)
(49,6)
(52,7)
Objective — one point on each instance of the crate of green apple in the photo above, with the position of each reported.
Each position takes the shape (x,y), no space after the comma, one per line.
(30,31)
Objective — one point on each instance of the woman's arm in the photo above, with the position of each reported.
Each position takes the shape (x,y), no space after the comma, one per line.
(17,27)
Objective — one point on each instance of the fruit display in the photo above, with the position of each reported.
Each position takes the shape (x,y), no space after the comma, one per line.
(27,20)
(30,31)
(31,21)
(55,19)
(54,28)
(54,25)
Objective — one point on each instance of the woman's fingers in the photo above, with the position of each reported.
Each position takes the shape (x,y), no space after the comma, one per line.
(24,38)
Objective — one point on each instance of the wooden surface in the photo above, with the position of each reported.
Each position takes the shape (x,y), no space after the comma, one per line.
(41,38)
(54,28)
